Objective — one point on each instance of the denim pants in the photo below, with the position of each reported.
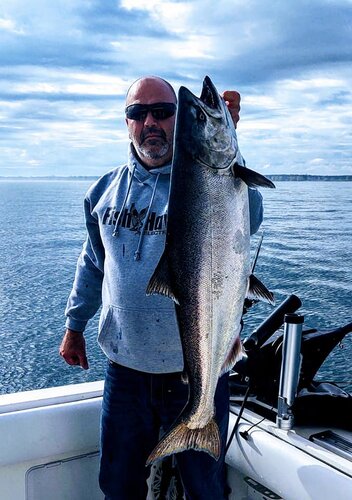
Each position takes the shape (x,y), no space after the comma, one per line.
(135,406)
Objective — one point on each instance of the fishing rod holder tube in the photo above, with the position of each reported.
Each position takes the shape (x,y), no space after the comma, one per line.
(290,369)
(269,326)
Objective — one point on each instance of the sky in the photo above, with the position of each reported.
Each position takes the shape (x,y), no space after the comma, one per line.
(66,66)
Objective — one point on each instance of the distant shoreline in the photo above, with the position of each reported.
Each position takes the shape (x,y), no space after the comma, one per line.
(273,177)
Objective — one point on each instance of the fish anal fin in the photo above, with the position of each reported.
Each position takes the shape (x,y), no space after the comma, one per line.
(159,283)
(250,177)
(234,354)
(182,438)
(258,291)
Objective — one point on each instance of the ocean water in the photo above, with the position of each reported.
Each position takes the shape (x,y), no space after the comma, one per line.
(306,251)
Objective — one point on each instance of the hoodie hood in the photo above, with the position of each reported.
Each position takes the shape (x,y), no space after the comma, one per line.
(140,172)
(146,177)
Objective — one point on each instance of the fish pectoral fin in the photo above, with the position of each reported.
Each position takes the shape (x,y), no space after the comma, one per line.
(233,355)
(182,438)
(257,290)
(250,177)
(159,283)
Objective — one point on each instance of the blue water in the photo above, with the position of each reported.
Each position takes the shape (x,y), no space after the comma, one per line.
(306,251)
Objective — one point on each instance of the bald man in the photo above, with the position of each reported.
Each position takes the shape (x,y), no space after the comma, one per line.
(126,215)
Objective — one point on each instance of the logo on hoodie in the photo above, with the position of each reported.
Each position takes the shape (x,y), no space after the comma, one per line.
(133,219)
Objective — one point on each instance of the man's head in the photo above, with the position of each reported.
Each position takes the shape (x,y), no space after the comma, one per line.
(151,129)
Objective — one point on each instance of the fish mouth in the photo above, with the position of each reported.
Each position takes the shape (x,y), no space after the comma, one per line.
(209,95)
(209,101)
(190,107)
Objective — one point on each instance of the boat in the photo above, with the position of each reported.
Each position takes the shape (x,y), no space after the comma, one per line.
(290,436)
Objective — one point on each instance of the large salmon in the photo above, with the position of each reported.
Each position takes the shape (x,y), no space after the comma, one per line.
(205,267)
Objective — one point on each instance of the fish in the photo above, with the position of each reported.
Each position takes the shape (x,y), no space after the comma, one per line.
(205,267)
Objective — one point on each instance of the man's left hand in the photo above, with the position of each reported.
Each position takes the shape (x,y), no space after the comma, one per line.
(232,99)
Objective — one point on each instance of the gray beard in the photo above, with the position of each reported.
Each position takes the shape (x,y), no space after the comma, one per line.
(153,154)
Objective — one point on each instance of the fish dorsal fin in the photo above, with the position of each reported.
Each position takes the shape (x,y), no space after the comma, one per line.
(160,283)
(233,355)
(257,290)
(251,178)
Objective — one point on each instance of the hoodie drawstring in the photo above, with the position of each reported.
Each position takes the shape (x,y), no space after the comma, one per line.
(118,219)
(137,254)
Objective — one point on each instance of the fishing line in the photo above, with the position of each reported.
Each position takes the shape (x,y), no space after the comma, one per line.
(245,434)
(238,419)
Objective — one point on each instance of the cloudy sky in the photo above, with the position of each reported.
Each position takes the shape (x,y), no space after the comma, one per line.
(66,65)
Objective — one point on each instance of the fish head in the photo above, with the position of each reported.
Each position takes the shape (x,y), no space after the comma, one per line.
(205,129)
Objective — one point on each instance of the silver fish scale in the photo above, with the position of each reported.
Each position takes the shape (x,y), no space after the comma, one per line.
(210,266)
(206,263)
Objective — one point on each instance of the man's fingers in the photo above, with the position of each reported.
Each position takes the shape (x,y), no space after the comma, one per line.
(71,360)
(233,99)
(235,116)
(83,362)
(73,349)
(79,359)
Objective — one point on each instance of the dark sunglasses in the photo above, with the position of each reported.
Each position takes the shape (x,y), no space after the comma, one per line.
(159,111)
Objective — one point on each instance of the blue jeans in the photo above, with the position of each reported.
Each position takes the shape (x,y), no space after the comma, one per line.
(135,406)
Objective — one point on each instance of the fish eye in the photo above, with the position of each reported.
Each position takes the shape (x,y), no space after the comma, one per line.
(201,116)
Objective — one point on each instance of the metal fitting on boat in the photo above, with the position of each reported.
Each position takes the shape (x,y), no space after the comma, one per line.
(290,369)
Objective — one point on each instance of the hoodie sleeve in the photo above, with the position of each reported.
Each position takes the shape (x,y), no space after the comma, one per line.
(85,297)
(255,209)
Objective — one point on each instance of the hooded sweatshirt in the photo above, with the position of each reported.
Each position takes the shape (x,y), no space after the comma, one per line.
(126,217)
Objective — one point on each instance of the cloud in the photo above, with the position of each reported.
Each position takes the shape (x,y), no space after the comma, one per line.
(9,26)
(66,67)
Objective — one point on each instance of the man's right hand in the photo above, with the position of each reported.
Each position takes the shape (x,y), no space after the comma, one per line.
(73,349)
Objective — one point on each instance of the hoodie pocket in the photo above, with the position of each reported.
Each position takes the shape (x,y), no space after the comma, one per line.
(104,323)
(144,339)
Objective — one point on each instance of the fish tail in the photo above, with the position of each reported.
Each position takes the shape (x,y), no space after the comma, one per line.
(182,438)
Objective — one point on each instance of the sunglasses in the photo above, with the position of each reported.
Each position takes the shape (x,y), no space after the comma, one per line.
(159,111)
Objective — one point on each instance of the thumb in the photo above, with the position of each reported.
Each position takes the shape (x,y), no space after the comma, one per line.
(83,361)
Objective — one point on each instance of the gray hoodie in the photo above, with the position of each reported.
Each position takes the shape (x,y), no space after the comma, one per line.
(126,216)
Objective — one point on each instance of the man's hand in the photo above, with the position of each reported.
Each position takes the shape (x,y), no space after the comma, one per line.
(73,349)
(233,99)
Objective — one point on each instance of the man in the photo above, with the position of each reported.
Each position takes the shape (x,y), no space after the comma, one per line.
(126,214)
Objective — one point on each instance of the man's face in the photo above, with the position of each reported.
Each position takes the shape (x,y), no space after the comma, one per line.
(151,137)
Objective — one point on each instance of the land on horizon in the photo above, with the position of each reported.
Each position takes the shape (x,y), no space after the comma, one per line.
(273,177)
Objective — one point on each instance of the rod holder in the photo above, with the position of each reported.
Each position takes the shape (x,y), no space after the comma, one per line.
(269,326)
(290,369)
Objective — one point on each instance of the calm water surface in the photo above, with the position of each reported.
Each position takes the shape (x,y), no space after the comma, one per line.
(306,251)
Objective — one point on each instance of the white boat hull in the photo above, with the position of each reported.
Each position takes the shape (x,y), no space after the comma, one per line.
(50,443)
(273,463)
(50,449)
